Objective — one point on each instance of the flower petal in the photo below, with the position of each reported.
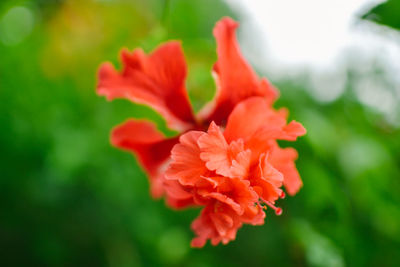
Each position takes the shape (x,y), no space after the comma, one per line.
(227,160)
(222,222)
(234,192)
(253,215)
(259,125)
(178,196)
(157,80)
(248,117)
(150,146)
(268,181)
(283,159)
(227,200)
(219,223)
(293,130)
(186,165)
(235,79)
(216,222)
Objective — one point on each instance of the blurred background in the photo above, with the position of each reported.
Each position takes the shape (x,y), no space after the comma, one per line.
(67,198)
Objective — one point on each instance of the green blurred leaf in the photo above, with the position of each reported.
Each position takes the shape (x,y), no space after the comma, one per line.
(386,13)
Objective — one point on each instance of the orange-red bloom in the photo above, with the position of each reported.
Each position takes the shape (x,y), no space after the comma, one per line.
(233,172)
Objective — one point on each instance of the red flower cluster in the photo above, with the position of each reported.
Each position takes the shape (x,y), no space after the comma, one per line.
(231,172)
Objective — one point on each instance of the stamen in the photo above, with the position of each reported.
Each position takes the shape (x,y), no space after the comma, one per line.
(278,211)
(261,206)
(283,195)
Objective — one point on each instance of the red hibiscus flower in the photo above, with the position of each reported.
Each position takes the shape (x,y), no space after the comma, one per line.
(234,172)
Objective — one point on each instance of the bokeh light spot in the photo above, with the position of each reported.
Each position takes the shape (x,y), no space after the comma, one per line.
(173,245)
(16,25)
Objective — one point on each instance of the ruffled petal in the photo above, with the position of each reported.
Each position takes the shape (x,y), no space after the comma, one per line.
(227,160)
(267,181)
(269,173)
(157,80)
(234,192)
(177,196)
(227,200)
(283,159)
(253,215)
(259,125)
(149,145)
(214,149)
(186,165)
(218,223)
(203,227)
(222,222)
(235,78)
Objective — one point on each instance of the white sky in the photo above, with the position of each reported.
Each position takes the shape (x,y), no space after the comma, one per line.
(285,38)
(294,32)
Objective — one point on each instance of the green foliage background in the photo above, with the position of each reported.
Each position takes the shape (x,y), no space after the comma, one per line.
(67,198)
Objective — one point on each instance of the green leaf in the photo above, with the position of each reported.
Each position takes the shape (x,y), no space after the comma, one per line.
(386,13)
